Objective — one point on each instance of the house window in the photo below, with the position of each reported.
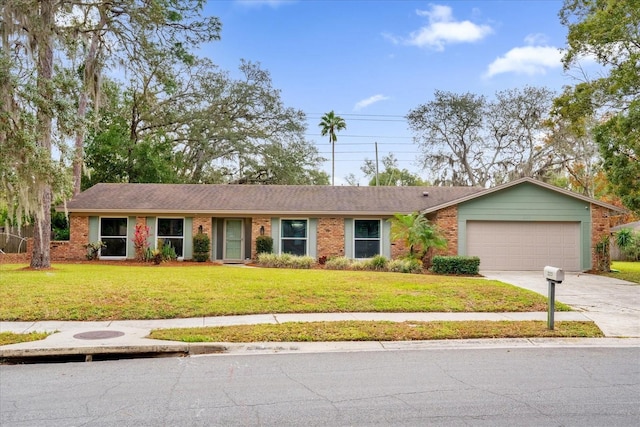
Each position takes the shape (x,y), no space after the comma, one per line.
(171,232)
(293,239)
(366,238)
(113,233)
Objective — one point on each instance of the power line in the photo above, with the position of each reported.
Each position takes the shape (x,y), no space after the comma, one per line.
(364,152)
(364,136)
(362,115)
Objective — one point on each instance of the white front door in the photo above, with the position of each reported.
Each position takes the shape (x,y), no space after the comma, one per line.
(233,240)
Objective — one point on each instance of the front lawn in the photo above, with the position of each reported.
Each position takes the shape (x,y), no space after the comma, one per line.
(91,291)
(626,270)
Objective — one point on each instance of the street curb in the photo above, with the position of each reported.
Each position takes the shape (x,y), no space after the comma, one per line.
(107,352)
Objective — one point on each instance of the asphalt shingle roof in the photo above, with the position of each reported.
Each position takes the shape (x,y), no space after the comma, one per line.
(256,199)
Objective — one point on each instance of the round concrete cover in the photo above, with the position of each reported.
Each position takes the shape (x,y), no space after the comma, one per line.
(98,335)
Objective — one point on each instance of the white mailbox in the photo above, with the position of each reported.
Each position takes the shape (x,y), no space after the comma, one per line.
(554,273)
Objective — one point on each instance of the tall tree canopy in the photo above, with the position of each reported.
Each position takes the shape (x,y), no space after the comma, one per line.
(607,31)
(40,89)
(467,139)
(204,127)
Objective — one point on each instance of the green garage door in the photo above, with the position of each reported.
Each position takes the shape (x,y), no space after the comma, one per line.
(514,245)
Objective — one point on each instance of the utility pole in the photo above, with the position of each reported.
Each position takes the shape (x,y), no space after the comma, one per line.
(376,145)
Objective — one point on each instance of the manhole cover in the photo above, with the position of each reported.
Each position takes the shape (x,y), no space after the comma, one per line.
(98,335)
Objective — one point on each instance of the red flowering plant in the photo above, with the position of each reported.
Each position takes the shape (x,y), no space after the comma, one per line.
(141,242)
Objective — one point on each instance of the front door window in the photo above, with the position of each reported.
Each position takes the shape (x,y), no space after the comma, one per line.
(233,239)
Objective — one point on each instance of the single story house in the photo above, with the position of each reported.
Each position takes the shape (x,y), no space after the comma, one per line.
(522,225)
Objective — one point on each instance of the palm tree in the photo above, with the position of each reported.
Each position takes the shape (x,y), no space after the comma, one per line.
(330,124)
(418,233)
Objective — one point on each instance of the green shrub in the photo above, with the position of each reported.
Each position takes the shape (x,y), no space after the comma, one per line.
(93,249)
(377,263)
(201,247)
(338,263)
(456,265)
(629,243)
(168,252)
(266,259)
(285,261)
(409,265)
(264,244)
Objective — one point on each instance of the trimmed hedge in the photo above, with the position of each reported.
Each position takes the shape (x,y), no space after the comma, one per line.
(264,244)
(201,247)
(466,265)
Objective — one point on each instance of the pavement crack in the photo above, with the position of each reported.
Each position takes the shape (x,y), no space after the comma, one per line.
(312,391)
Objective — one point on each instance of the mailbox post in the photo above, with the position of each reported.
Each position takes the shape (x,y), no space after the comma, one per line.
(553,275)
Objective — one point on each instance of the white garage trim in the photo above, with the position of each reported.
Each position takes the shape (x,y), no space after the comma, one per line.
(522,245)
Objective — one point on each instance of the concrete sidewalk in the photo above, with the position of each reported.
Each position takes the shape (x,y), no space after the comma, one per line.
(90,340)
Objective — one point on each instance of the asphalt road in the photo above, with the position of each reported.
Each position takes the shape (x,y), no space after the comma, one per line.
(492,387)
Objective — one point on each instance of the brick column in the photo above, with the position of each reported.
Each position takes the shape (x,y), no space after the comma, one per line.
(600,228)
(447,222)
(331,237)
(205,222)
(256,223)
(78,237)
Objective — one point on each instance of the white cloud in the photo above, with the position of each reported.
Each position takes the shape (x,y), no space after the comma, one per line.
(368,101)
(536,39)
(443,29)
(529,60)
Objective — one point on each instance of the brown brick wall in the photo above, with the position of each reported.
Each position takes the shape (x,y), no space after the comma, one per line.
(330,237)
(600,227)
(398,249)
(447,221)
(23,258)
(205,222)
(73,249)
(61,250)
(256,223)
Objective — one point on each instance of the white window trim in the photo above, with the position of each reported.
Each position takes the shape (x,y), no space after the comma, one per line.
(155,241)
(306,238)
(379,238)
(126,237)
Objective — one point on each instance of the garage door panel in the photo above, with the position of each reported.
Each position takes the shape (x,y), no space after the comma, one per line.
(513,245)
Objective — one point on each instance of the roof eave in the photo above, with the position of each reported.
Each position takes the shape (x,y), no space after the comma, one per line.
(244,213)
(520,181)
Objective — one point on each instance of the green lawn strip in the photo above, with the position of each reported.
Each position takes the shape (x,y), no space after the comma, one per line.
(377,331)
(114,292)
(13,338)
(626,270)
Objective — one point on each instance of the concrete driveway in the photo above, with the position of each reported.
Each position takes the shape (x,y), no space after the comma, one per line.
(613,304)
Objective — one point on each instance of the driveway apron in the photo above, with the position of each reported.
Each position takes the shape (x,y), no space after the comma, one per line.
(613,304)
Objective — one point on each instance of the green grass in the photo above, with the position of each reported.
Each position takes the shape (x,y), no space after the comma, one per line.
(377,331)
(13,338)
(626,270)
(89,291)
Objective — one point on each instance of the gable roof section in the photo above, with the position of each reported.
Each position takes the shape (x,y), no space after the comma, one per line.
(261,199)
(498,188)
(632,225)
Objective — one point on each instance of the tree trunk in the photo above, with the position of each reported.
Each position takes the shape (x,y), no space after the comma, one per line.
(40,258)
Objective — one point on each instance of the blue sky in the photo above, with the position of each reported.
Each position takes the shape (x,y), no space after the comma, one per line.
(373,61)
